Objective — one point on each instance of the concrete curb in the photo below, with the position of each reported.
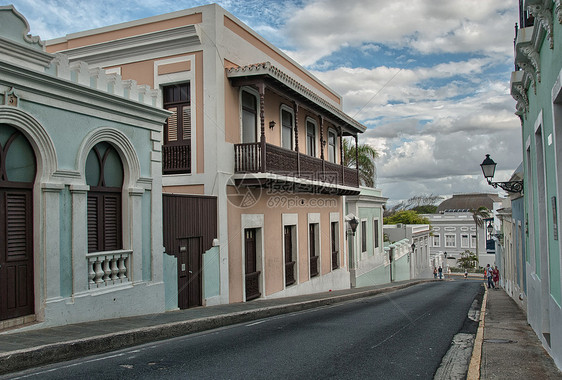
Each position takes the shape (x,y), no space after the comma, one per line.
(476,360)
(52,353)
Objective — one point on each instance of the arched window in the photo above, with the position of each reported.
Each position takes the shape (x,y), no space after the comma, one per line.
(104,175)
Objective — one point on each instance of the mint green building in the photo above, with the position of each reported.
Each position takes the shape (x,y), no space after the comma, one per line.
(536,85)
(80,188)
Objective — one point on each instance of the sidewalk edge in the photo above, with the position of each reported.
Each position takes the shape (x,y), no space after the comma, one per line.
(476,360)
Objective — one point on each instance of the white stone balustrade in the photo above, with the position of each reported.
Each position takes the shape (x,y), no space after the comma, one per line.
(108,268)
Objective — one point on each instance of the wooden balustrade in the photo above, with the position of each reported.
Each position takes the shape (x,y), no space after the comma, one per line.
(176,159)
(252,285)
(314,266)
(248,158)
(289,273)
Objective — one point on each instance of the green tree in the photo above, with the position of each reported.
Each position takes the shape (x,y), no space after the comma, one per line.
(468,260)
(406,217)
(366,156)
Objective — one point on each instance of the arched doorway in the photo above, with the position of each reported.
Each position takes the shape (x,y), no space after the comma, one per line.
(17,175)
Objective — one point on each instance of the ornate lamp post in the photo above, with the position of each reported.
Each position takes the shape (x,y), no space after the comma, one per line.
(489,168)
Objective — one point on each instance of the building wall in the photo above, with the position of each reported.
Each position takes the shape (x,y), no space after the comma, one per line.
(269,214)
(539,97)
(63,113)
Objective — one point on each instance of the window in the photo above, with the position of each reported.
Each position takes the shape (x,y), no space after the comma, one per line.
(249,117)
(450,240)
(104,175)
(376,232)
(177,131)
(436,240)
(331,146)
(364,236)
(334,233)
(313,248)
(286,129)
(472,241)
(464,241)
(310,138)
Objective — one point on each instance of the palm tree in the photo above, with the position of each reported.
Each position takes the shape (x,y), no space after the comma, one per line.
(366,156)
(479,215)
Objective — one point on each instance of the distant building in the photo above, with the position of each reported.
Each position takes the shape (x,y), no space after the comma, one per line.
(455,230)
(368,262)
(419,262)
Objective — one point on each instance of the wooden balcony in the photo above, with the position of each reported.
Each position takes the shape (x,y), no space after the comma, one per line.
(176,159)
(327,177)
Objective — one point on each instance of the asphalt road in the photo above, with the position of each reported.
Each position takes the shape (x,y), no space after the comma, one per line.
(398,335)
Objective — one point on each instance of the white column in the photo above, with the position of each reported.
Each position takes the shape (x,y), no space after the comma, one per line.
(51,237)
(79,237)
(157,248)
(135,229)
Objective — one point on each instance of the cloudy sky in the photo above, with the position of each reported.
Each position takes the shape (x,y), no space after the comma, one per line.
(429,78)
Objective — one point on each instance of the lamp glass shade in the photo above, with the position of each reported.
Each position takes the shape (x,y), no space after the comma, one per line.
(488,167)
(353,223)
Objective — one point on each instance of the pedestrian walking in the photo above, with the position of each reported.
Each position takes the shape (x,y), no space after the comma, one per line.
(466,273)
(496,277)
(435,273)
(489,274)
(440,270)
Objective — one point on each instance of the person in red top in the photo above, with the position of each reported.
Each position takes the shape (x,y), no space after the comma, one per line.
(496,276)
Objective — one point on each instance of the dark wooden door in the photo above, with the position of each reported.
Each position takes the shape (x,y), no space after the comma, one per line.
(289,262)
(250,266)
(16,253)
(189,273)
(312,248)
(335,248)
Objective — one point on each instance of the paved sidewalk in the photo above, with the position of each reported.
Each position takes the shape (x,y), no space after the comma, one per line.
(510,348)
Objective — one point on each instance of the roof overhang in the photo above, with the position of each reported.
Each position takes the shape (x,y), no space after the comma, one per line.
(285,85)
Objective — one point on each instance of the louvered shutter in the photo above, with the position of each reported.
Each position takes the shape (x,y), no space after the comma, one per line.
(93,224)
(112,222)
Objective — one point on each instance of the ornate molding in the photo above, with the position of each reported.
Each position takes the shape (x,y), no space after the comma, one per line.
(543,14)
(519,93)
(530,62)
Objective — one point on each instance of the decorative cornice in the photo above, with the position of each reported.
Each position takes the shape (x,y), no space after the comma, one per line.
(542,12)
(145,45)
(266,68)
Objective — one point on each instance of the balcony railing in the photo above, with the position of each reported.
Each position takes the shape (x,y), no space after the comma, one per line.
(176,159)
(250,158)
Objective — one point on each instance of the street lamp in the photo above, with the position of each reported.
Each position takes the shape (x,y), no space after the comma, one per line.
(490,229)
(353,223)
(489,168)
(413,250)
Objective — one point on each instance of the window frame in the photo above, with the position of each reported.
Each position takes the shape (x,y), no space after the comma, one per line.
(256,96)
(454,241)
(314,123)
(286,108)
(434,237)
(332,131)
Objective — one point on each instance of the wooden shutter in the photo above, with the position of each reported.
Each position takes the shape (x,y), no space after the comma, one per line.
(93,233)
(18,225)
(112,222)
